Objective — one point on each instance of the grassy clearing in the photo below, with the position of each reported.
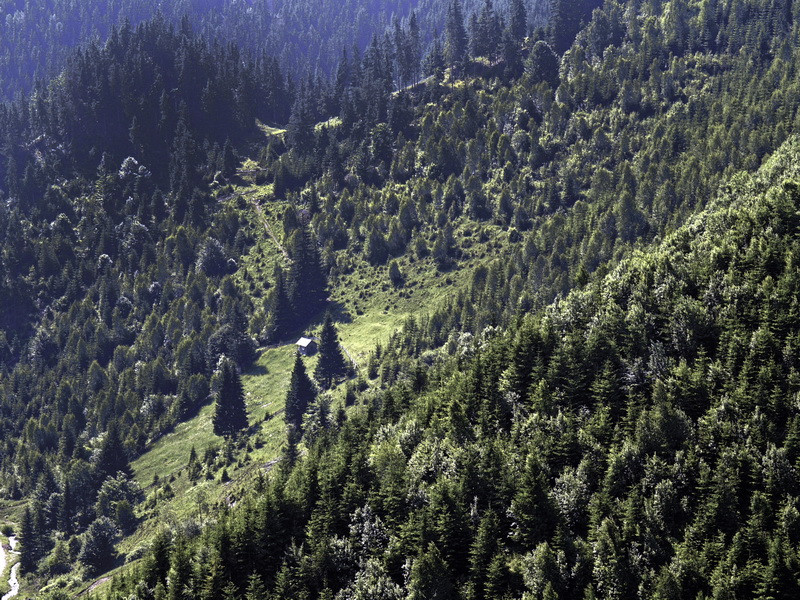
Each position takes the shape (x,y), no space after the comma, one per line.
(172,499)
(265,388)
(270,131)
(368,308)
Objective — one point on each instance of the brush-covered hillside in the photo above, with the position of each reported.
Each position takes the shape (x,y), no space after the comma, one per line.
(544,275)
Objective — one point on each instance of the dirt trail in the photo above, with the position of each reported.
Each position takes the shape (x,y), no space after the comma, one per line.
(265,222)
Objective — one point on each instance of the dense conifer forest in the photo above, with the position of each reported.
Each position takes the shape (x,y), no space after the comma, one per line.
(543,258)
(37,36)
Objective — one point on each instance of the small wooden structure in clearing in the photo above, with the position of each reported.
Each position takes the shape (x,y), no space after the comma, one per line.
(306,346)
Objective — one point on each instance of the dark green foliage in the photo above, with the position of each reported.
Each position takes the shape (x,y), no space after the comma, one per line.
(332,364)
(212,260)
(230,411)
(115,500)
(486,32)
(98,550)
(581,452)
(518,20)
(278,305)
(455,44)
(567,18)
(542,65)
(112,458)
(429,579)
(29,541)
(300,396)
(307,283)
(395,275)
(637,437)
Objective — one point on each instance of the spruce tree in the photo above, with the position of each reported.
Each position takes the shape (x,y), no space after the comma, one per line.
(331,363)
(307,283)
(300,395)
(98,552)
(28,542)
(228,160)
(279,309)
(230,412)
(112,457)
(414,46)
(542,65)
(255,588)
(518,21)
(455,44)
(435,60)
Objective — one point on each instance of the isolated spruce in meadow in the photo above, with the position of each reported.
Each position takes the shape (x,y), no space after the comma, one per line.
(300,395)
(230,412)
(332,364)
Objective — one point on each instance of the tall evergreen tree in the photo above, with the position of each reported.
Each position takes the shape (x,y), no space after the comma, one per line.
(414,46)
(566,19)
(486,31)
(28,542)
(230,411)
(307,283)
(518,21)
(331,363)
(542,64)
(435,60)
(279,309)
(112,457)
(455,41)
(300,395)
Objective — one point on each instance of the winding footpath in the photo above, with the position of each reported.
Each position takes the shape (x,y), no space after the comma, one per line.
(13,580)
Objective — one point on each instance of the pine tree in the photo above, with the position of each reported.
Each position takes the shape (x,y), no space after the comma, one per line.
(307,283)
(28,541)
(542,64)
(518,21)
(230,411)
(510,50)
(228,160)
(429,578)
(180,573)
(279,309)
(486,31)
(255,588)
(414,46)
(112,457)
(566,19)
(300,130)
(65,510)
(300,395)
(98,552)
(532,508)
(402,54)
(455,44)
(331,363)
(435,60)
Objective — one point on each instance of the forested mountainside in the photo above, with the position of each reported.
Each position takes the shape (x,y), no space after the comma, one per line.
(307,36)
(594,395)
(637,439)
(37,36)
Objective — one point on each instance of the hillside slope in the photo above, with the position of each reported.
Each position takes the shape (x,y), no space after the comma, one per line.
(503,250)
(639,437)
